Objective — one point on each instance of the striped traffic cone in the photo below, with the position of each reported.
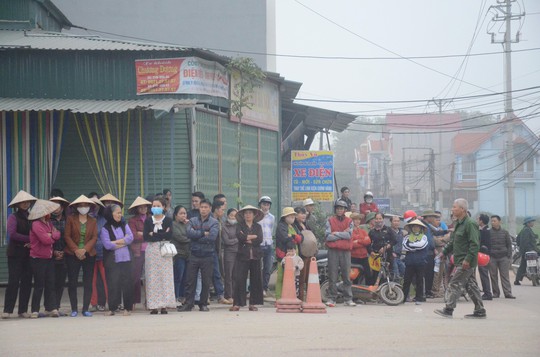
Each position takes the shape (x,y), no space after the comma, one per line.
(289,302)
(313,302)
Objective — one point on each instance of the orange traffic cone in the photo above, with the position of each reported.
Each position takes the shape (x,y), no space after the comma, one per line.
(313,302)
(289,302)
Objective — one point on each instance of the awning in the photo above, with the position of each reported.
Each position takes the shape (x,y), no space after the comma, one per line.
(94,106)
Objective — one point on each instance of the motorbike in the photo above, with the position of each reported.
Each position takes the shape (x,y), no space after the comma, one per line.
(384,289)
(533,267)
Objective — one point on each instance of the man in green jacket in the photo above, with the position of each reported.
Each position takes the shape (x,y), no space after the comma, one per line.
(464,243)
(527,240)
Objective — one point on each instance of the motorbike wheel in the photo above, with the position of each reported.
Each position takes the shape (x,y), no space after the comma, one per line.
(324,290)
(516,261)
(391,296)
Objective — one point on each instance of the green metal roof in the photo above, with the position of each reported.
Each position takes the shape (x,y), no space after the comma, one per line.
(94,106)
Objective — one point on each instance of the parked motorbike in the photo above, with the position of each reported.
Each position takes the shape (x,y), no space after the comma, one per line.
(533,267)
(390,292)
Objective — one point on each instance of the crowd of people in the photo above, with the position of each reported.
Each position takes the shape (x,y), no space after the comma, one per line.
(233,251)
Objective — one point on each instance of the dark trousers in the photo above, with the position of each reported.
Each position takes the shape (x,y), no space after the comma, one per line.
(429,274)
(364,262)
(179,269)
(206,266)
(43,271)
(484,279)
(241,270)
(60,274)
(418,272)
(19,283)
(120,284)
(229,260)
(74,266)
(268,260)
(522,270)
(137,267)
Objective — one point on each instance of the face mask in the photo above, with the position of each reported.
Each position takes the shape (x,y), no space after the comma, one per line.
(231,221)
(369,200)
(83,210)
(156,211)
(379,225)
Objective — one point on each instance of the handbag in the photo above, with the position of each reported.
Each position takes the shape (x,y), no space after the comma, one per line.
(167,249)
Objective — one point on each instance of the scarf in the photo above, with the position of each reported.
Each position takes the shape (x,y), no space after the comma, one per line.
(157,223)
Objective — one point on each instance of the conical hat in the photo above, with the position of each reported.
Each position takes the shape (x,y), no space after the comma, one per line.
(97,201)
(21,196)
(82,199)
(258,213)
(109,197)
(59,200)
(416,222)
(42,208)
(139,201)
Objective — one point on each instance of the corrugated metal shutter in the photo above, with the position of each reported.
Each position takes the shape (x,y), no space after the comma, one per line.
(250,168)
(207,153)
(269,167)
(229,159)
(3,266)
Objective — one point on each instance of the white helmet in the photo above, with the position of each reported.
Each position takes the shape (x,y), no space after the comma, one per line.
(266,199)
(368,193)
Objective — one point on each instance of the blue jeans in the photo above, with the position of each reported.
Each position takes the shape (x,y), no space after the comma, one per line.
(399,267)
(179,276)
(218,283)
(268,260)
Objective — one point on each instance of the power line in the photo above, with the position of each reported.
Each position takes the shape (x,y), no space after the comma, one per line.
(410,100)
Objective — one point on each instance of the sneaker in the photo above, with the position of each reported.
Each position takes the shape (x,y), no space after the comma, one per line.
(517,282)
(34,315)
(100,308)
(93,308)
(265,293)
(74,314)
(61,313)
(54,313)
(109,313)
(5,315)
(154,312)
(477,315)
(24,315)
(349,303)
(127,313)
(330,303)
(509,297)
(164,311)
(487,297)
(87,314)
(444,312)
(121,307)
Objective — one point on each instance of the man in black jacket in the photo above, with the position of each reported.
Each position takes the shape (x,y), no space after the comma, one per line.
(500,258)
(203,232)
(485,247)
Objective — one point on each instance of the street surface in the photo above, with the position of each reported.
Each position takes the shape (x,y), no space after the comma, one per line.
(511,328)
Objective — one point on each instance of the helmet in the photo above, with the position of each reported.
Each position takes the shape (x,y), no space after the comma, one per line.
(408,215)
(368,193)
(265,199)
(341,203)
(483,259)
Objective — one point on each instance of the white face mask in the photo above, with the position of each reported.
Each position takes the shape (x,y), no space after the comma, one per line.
(83,210)
(369,200)
(231,221)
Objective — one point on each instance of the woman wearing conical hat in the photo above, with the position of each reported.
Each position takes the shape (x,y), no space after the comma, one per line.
(18,253)
(81,236)
(43,235)
(139,210)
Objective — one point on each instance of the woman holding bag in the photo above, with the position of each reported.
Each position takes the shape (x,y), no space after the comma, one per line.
(307,249)
(159,278)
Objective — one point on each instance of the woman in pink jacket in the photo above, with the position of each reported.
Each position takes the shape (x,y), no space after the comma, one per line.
(42,237)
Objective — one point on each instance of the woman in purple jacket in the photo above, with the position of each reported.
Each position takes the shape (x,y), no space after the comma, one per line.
(116,236)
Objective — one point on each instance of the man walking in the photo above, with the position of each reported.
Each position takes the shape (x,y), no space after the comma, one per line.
(501,258)
(526,241)
(464,243)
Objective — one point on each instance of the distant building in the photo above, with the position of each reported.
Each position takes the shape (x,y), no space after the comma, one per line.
(480,170)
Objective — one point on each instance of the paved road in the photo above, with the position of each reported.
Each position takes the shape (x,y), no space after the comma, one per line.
(512,328)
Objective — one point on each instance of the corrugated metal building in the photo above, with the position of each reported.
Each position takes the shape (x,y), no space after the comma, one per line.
(70,118)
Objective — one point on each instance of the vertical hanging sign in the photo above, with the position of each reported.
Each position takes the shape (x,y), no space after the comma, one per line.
(312,175)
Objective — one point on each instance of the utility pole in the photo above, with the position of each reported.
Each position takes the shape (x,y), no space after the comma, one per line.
(504,13)
(432,177)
